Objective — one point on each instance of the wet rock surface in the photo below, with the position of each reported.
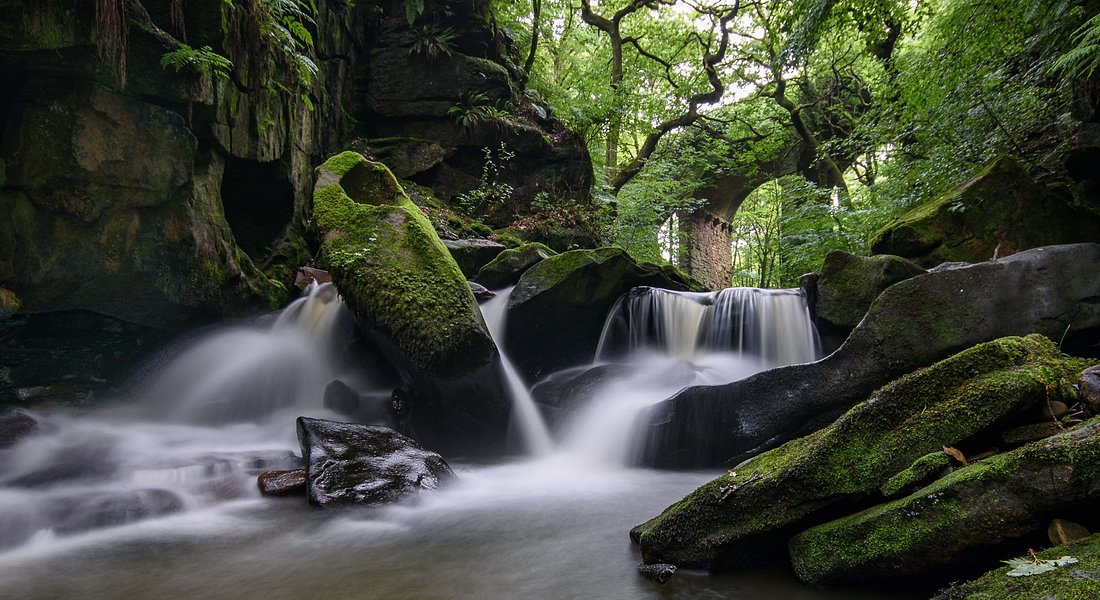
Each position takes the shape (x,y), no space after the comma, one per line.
(912,324)
(282,483)
(347,463)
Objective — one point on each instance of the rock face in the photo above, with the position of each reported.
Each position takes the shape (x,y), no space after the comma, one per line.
(507,267)
(847,286)
(999,212)
(409,294)
(348,463)
(558,307)
(472,255)
(977,506)
(912,324)
(922,412)
(435,128)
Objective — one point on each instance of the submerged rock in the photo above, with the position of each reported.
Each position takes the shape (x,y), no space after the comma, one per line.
(508,266)
(15,426)
(977,506)
(409,295)
(660,573)
(282,483)
(849,460)
(95,510)
(557,310)
(347,463)
(912,324)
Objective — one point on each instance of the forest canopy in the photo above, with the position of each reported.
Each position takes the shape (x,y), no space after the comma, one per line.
(836,115)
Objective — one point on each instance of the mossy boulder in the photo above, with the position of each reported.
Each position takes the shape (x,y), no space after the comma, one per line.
(848,284)
(472,254)
(1079,581)
(998,212)
(978,506)
(850,459)
(912,324)
(558,307)
(408,293)
(509,265)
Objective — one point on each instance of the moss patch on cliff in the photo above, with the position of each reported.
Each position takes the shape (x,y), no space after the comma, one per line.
(1080,581)
(393,270)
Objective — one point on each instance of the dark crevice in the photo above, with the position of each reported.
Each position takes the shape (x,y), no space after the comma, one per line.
(258,201)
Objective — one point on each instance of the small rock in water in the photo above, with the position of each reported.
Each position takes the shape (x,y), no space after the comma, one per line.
(1062,531)
(349,463)
(481,292)
(15,426)
(340,397)
(659,572)
(282,483)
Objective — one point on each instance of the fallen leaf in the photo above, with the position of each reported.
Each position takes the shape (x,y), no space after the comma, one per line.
(956,454)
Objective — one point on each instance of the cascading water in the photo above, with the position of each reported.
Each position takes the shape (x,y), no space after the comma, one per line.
(195,436)
(79,497)
(525,414)
(670,340)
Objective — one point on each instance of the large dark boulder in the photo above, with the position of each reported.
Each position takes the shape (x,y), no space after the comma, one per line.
(473,254)
(912,324)
(719,524)
(348,463)
(408,294)
(998,212)
(558,307)
(848,284)
(1003,497)
(508,266)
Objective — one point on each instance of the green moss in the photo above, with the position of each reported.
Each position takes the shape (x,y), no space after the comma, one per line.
(393,270)
(1075,582)
(976,505)
(919,472)
(920,413)
(9,302)
(507,238)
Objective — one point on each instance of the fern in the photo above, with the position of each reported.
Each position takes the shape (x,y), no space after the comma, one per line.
(198,60)
(1084,58)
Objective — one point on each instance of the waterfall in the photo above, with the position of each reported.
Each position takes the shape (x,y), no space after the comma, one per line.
(247,373)
(525,414)
(773,326)
(669,340)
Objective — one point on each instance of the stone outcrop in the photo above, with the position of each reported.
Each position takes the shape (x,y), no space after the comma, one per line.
(472,254)
(409,295)
(508,266)
(848,284)
(558,307)
(942,405)
(998,212)
(347,463)
(912,324)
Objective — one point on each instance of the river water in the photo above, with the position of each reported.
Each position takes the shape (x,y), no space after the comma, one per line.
(155,497)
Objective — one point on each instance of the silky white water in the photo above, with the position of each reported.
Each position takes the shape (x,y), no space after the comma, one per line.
(156,497)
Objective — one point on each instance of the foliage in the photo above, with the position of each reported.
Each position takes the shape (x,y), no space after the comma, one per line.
(433,42)
(198,60)
(475,109)
(1032,565)
(1084,58)
(491,191)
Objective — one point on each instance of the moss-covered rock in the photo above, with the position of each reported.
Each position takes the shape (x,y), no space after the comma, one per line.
(849,460)
(508,266)
(394,271)
(1079,581)
(998,212)
(920,472)
(848,284)
(558,307)
(1002,497)
(912,324)
(410,296)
